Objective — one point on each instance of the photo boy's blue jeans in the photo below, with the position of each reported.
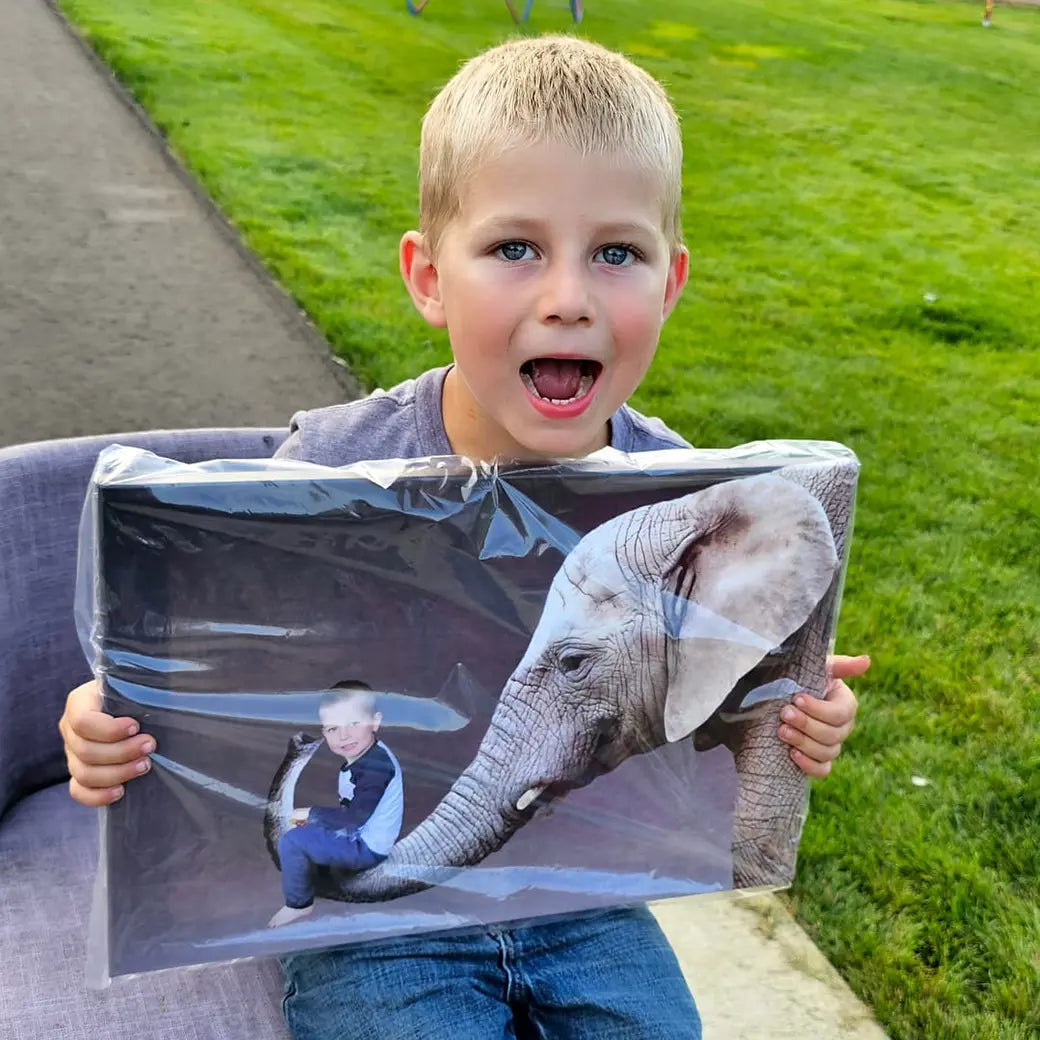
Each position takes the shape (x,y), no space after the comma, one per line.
(301,849)
(602,975)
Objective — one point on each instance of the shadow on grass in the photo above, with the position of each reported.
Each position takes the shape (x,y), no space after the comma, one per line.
(951,324)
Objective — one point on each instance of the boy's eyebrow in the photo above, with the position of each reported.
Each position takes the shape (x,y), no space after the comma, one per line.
(509,224)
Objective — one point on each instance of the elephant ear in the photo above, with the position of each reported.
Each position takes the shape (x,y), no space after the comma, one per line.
(744,565)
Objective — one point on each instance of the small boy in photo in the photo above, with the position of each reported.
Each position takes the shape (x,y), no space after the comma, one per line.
(360,830)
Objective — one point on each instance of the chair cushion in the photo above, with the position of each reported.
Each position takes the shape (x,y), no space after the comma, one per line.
(48,856)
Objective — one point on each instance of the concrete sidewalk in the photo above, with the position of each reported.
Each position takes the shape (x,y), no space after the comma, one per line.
(756,975)
(126,303)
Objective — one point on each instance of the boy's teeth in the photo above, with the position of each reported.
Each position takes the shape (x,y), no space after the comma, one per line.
(583,388)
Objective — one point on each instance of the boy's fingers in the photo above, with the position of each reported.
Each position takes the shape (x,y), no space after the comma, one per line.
(842,667)
(86,697)
(817,770)
(837,710)
(98,727)
(99,778)
(83,715)
(92,797)
(93,753)
(796,727)
(812,736)
(83,699)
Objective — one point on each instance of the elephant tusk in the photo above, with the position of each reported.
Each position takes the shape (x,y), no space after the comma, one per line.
(528,797)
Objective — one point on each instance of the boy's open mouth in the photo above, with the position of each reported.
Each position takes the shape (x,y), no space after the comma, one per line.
(560,381)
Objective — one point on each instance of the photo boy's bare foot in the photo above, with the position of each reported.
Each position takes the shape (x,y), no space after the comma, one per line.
(288,914)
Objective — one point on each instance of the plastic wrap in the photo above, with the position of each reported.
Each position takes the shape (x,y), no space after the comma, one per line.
(501,692)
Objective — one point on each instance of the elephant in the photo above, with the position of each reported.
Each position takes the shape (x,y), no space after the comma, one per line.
(687,619)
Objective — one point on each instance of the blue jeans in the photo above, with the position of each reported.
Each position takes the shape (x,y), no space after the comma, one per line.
(601,975)
(301,849)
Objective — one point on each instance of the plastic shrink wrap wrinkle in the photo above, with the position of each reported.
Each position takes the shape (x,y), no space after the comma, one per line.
(428,694)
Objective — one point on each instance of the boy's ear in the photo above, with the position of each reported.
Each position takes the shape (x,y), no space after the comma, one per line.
(678,272)
(420,278)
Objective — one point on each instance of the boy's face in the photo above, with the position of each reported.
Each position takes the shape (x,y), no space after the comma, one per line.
(349,728)
(553,282)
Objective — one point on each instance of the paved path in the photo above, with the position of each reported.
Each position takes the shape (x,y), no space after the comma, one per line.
(126,304)
(756,975)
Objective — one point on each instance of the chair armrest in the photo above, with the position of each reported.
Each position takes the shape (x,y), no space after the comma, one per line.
(42,488)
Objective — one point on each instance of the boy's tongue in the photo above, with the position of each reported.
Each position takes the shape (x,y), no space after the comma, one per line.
(556,378)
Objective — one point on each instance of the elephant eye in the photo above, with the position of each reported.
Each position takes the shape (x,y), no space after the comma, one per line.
(572,662)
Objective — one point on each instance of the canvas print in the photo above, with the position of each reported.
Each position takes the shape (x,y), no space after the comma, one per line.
(430,695)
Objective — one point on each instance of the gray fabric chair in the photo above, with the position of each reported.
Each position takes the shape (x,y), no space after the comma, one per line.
(48,844)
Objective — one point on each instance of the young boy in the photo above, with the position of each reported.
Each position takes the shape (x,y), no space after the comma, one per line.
(361,830)
(549,247)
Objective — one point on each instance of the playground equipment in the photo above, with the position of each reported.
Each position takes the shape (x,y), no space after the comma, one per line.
(577,9)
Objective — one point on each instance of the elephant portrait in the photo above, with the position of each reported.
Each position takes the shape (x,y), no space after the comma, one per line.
(691,619)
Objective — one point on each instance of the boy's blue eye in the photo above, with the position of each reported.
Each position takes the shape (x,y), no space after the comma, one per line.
(513,250)
(616,256)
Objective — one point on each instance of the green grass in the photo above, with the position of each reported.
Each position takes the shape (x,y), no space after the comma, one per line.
(862,210)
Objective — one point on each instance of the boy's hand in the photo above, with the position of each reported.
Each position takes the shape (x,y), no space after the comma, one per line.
(298,817)
(102,752)
(815,728)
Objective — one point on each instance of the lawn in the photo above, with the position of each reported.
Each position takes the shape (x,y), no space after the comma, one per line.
(863,212)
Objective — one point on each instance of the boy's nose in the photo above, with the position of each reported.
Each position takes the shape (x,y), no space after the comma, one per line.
(565,297)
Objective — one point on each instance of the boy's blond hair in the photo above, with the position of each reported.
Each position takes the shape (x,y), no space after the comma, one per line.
(350,690)
(556,89)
